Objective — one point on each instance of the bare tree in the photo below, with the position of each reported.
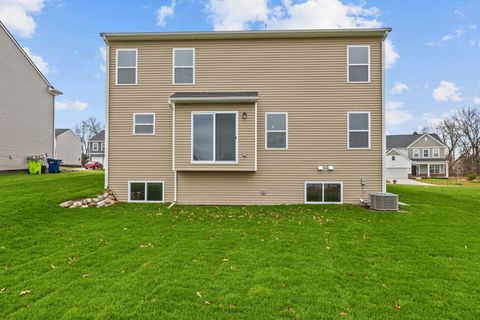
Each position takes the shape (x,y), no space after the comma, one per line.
(85,130)
(468,121)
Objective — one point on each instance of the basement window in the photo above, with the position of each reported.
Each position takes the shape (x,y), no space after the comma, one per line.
(126,66)
(323,192)
(145,191)
(183,66)
(358,64)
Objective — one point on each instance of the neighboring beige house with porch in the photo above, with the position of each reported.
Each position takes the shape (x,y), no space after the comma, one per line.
(416,155)
(246,117)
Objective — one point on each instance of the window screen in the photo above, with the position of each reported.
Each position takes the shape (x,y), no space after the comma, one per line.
(126,66)
(358,130)
(183,66)
(144,123)
(358,64)
(276,130)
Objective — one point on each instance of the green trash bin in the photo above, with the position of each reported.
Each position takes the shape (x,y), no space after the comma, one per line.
(35,166)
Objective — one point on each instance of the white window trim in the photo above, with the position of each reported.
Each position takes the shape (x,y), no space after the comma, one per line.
(414,152)
(267,131)
(193,67)
(146,189)
(423,153)
(357,64)
(323,192)
(94,146)
(438,153)
(134,123)
(192,161)
(117,67)
(348,130)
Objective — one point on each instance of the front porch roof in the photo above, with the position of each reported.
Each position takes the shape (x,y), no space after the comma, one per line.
(425,160)
(225,97)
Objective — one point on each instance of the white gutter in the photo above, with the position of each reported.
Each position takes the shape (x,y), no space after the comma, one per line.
(213,99)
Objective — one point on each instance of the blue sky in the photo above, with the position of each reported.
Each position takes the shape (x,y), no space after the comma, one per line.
(433,54)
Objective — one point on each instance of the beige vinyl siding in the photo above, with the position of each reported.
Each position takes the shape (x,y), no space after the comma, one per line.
(26,109)
(305,77)
(68,148)
(245,139)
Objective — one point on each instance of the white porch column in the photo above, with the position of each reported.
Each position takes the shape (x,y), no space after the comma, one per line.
(446,169)
(428,170)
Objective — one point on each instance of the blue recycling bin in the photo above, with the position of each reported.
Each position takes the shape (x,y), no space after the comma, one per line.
(53,165)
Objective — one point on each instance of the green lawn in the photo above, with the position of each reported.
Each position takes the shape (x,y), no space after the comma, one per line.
(452,182)
(139,261)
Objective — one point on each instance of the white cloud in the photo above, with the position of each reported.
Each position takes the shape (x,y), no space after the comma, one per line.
(450,36)
(236,15)
(432,120)
(304,14)
(165,12)
(391,55)
(71,105)
(41,64)
(16,15)
(396,116)
(447,91)
(399,88)
(102,52)
(476,100)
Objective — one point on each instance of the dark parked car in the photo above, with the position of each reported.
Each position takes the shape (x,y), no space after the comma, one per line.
(93,165)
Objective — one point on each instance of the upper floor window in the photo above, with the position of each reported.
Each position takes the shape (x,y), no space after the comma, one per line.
(95,146)
(276,130)
(144,123)
(358,60)
(358,130)
(416,153)
(214,137)
(183,66)
(102,146)
(426,153)
(126,66)
(393,158)
(436,153)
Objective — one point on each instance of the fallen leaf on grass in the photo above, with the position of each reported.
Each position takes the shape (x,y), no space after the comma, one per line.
(85,276)
(22,293)
(199,294)
(2,290)
(290,309)
(207,302)
(397,307)
(343,314)
(225,260)
(148,245)
(53,267)
(72,260)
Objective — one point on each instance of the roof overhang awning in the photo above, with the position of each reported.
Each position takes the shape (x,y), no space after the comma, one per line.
(213,97)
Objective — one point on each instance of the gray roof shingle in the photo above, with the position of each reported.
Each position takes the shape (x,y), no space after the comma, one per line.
(99,136)
(60,131)
(404,140)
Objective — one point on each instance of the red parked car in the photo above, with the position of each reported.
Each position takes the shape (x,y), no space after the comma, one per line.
(93,165)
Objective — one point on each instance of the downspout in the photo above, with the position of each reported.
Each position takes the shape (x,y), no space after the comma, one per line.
(384,142)
(107,94)
(172,106)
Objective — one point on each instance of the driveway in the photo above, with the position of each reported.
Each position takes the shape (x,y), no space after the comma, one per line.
(412,182)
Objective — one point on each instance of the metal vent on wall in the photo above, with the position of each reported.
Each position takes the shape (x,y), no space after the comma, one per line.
(384,201)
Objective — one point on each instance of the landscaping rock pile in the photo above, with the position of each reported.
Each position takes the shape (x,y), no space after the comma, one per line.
(103,200)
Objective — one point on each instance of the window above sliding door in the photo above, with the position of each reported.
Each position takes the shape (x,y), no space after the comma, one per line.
(214,137)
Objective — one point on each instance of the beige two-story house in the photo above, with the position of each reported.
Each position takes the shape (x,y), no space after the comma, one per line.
(245,117)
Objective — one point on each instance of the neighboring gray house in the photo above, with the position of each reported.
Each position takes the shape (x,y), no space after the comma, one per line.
(416,155)
(27,107)
(96,147)
(68,147)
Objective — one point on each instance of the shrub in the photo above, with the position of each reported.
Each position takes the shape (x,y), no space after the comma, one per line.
(471,176)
